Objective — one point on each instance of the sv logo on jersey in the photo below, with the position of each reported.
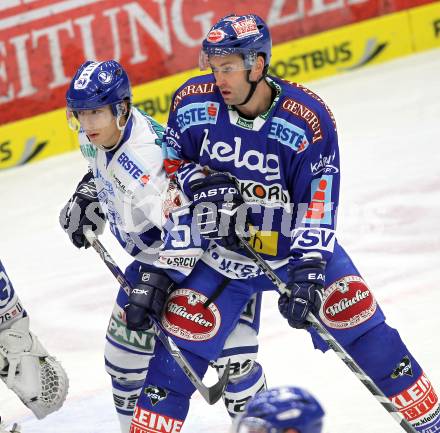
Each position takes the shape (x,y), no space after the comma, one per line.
(155,394)
(310,239)
(267,164)
(404,368)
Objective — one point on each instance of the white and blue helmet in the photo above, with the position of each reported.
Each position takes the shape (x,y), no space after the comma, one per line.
(97,84)
(278,409)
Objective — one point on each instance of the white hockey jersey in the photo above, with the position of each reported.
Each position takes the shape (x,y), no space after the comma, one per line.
(133,190)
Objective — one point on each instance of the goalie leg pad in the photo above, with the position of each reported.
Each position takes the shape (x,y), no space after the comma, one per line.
(37,378)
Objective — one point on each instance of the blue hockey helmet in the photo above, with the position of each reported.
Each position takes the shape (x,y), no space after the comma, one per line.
(247,35)
(97,84)
(278,409)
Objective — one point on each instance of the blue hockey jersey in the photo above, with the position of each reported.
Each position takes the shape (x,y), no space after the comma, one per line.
(285,161)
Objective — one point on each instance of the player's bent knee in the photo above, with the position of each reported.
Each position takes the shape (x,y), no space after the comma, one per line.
(379,350)
(141,342)
(240,349)
(127,353)
(164,399)
(173,378)
(124,365)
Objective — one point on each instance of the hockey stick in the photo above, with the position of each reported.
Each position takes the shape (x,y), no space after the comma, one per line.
(211,394)
(337,348)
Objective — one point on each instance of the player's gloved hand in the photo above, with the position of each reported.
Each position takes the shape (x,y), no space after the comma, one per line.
(215,207)
(306,280)
(83,212)
(147,298)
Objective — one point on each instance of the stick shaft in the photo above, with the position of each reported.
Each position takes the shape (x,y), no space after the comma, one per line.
(333,344)
(211,394)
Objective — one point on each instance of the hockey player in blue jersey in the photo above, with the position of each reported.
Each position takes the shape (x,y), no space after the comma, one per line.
(286,409)
(26,367)
(258,153)
(127,186)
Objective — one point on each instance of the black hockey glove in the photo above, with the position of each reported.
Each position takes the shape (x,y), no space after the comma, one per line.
(305,282)
(215,208)
(82,212)
(147,298)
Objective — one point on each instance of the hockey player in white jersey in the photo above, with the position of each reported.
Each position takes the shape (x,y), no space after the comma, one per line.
(128,187)
(26,367)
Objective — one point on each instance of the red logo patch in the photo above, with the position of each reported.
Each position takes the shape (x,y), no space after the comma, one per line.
(145,178)
(212,110)
(418,403)
(215,36)
(305,113)
(347,303)
(145,421)
(246,27)
(187,318)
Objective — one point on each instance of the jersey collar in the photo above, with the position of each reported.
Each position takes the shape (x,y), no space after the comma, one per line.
(255,124)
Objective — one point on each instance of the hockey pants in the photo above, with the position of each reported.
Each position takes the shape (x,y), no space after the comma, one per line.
(349,312)
(128,354)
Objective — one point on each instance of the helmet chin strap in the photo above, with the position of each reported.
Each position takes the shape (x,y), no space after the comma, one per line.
(121,129)
(254,85)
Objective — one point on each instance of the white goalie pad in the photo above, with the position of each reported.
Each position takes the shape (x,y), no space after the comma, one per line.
(37,378)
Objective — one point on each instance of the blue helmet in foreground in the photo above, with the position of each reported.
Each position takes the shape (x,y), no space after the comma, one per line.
(97,84)
(247,35)
(275,410)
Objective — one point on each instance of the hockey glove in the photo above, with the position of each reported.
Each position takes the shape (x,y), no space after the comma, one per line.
(305,282)
(215,207)
(147,298)
(82,212)
(37,378)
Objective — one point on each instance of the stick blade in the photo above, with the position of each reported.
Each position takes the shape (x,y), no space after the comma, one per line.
(215,392)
